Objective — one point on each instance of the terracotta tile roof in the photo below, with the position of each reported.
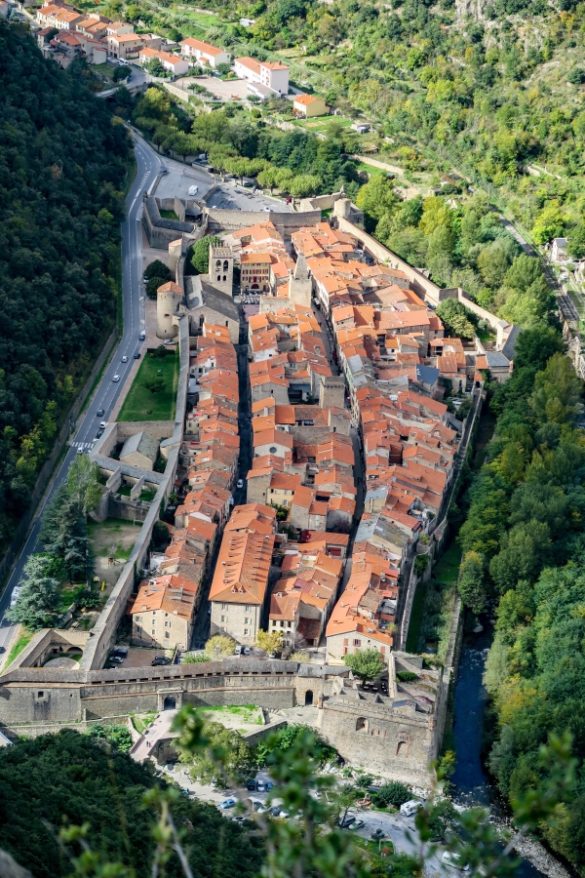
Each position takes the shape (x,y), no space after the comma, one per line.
(204,48)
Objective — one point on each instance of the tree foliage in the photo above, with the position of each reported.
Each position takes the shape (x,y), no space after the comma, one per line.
(523,547)
(68,779)
(366,664)
(271,642)
(63,167)
(200,254)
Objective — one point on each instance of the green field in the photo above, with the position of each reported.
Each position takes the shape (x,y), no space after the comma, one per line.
(152,395)
(23,641)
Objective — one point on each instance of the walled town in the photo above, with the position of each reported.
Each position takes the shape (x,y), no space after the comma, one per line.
(312,458)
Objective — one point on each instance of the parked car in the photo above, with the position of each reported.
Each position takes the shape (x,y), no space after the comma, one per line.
(230,802)
(347,822)
(137,355)
(116,378)
(378,834)
(99,433)
(357,824)
(251,785)
(142,335)
(240,483)
(409,809)
(124,359)
(264,786)
(160,660)
(102,425)
(193,190)
(238,651)
(15,595)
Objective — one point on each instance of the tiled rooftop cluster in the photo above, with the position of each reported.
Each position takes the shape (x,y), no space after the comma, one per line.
(396,365)
(265,264)
(163,610)
(393,353)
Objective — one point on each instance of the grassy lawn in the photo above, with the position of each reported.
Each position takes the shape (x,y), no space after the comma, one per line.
(68,595)
(142,404)
(113,538)
(247,712)
(142,721)
(370,170)
(168,214)
(23,640)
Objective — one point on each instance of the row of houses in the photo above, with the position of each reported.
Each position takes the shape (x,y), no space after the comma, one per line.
(164,608)
(398,365)
(300,488)
(97,38)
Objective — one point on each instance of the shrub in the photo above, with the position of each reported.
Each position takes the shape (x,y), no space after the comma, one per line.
(394,793)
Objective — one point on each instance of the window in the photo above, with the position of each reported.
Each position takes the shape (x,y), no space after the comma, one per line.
(219,277)
(40,694)
(167,634)
(361,724)
(245,632)
(357,642)
(222,618)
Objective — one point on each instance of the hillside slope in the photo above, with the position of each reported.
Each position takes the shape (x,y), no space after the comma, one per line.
(63,167)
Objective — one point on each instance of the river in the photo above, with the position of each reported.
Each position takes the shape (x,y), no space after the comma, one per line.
(470,781)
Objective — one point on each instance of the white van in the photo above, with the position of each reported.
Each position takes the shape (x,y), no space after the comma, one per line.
(193,190)
(409,809)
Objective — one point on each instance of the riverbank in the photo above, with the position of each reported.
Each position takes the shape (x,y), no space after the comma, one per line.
(471,783)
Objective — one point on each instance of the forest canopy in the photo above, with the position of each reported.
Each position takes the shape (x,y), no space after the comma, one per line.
(70,779)
(64,162)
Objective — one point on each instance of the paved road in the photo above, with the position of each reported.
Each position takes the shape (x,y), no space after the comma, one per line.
(147,166)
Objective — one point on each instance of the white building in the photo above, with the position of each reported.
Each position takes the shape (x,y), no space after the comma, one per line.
(204,53)
(271,74)
(177,65)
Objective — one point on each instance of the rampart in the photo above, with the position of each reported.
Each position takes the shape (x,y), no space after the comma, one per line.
(103,631)
(286,223)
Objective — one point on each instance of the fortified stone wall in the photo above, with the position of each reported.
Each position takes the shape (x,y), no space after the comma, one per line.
(104,630)
(286,223)
(380,741)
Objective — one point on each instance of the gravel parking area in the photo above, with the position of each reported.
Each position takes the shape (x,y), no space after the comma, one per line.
(221,89)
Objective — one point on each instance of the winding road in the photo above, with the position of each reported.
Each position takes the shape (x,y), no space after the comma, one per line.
(148,165)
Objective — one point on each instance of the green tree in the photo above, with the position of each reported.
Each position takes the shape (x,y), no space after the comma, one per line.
(36,606)
(118,736)
(494,260)
(550,223)
(366,664)
(220,646)
(457,319)
(225,759)
(471,585)
(271,642)
(376,198)
(394,794)
(200,254)
(156,274)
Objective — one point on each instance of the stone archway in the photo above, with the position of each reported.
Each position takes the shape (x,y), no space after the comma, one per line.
(170,702)
(308,697)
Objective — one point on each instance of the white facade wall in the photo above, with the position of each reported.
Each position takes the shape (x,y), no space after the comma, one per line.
(240,621)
